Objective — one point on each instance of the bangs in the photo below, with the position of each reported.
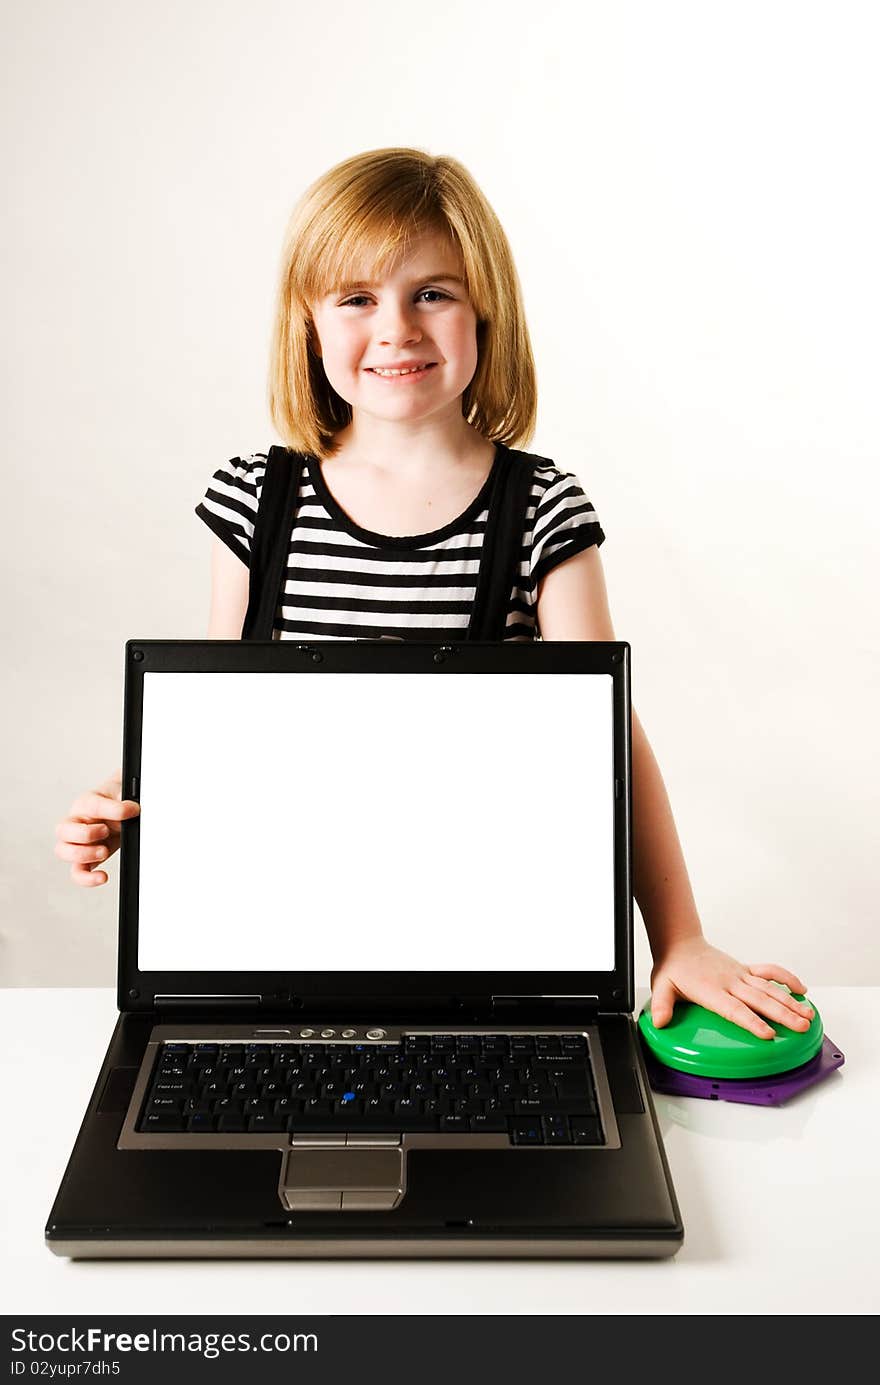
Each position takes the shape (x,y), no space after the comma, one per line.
(367,243)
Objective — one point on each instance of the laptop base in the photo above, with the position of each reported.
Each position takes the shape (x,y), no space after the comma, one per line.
(458,1203)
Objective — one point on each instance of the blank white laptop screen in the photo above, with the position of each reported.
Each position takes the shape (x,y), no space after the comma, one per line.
(376,822)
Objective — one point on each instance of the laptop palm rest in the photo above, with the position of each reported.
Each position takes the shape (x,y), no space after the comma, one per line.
(345,1179)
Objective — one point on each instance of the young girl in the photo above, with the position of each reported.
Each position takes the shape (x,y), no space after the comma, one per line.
(402,374)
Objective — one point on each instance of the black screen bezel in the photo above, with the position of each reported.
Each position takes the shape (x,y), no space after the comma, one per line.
(441,991)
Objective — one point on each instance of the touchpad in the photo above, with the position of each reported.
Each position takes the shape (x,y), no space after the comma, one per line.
(348,1179)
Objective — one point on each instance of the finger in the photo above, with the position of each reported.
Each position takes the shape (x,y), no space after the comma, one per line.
(767,1005)
(82,875)
(662,1003)
(800,1007)
(93,806)
(83,855)
(72,831)
(770,971)
(729,1007)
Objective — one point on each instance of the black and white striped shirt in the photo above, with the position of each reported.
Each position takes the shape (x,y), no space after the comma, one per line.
(345,582)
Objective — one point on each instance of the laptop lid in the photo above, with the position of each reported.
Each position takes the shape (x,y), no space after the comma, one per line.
(356,824)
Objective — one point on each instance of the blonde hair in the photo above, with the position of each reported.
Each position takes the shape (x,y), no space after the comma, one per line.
(375,204)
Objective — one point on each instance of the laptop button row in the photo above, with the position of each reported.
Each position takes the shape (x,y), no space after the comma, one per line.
(549,1130)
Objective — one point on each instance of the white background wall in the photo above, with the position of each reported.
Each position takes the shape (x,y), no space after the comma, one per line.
(690,191)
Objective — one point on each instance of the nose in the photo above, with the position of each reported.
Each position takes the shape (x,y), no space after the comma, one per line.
(396,325)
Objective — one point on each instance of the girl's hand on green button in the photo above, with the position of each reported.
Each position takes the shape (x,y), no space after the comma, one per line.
(693,969)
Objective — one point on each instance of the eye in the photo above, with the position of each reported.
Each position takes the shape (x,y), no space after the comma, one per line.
(361,297)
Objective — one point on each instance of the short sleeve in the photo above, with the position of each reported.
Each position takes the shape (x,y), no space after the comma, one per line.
(229,507)
(565,524)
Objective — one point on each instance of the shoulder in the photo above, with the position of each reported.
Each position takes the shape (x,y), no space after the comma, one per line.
(563,518)
(551,482)
(230,503)
(243,473)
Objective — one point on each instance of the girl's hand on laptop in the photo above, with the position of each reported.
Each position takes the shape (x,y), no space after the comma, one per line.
(693,969)
(91,833)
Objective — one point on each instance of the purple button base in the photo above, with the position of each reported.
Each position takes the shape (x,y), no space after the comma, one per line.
(764,1091)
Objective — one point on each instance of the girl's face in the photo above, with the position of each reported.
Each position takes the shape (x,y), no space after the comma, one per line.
(419,316)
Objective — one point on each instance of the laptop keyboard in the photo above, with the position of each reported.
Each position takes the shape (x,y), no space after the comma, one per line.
(536,1089)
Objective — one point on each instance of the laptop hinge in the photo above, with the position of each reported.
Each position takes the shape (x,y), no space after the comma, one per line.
(573,1009)
(213,1002)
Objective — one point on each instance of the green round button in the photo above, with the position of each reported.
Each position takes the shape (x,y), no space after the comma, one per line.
(698,1041)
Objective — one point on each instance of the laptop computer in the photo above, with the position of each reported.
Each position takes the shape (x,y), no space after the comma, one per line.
(375,977)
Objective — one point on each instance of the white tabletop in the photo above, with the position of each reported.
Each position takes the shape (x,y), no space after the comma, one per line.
(780,1205)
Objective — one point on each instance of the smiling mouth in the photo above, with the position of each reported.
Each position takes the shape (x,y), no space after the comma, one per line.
(411,370)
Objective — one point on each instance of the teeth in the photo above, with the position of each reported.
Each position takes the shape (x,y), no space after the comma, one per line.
(412,370)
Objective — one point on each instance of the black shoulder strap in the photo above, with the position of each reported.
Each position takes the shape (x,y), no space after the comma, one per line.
(270,545)
(502,543)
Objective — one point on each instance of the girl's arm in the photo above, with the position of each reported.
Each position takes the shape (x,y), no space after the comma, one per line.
(573,605)
(229,593)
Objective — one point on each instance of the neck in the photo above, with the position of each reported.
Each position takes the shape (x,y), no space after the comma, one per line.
(409,450)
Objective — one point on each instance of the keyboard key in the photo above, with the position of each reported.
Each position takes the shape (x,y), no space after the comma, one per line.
(245,1088)
(556,1130)
(288,1106)
(453,1124)
(536,1106)
(523,1132)
(581,1103)
(231,1122)
(156,1122)
(572,1106)
(540,1089)
(585,1131)
(267,1123)
(378,1105)
(436,1106)
(201,1125)
(570,1084)
(352,1110)
(488,1125)
(414,1121)
(345,1124)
